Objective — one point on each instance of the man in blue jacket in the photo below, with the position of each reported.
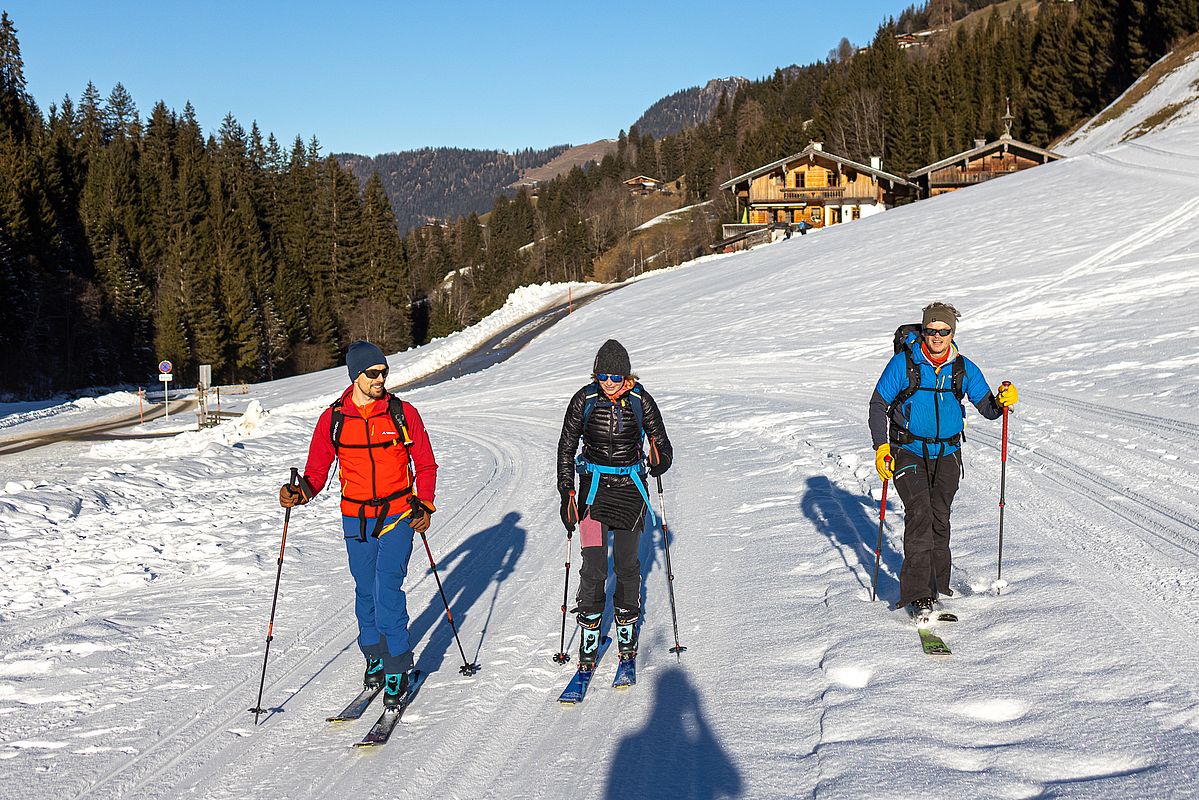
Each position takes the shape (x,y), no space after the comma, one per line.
(917,409)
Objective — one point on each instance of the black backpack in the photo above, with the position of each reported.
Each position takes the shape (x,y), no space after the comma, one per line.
(395,407)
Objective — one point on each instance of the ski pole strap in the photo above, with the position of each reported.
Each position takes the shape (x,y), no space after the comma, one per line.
(633,471)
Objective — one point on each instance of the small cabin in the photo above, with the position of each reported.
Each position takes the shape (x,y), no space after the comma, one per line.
(815,187)
(986,160)
(643,184)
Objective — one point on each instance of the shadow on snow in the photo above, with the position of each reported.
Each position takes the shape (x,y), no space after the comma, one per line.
(850,521)
(483,561)
(675,754)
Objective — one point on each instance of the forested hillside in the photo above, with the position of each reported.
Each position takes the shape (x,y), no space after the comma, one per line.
(124,240)
(444,182)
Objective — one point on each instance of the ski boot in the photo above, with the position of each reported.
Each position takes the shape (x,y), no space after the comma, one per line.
(922,609)
(626,632)
(589,641)
(394,688)
(373,679)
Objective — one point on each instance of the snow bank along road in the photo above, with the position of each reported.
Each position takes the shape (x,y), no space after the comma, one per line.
(135,587)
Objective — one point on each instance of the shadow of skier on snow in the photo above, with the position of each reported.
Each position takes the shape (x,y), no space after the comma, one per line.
(485,559)
(676,754)
(850,521)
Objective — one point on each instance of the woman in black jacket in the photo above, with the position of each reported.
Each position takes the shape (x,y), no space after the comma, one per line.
(612,415)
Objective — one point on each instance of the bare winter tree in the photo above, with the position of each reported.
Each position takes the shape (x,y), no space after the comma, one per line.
(857,130)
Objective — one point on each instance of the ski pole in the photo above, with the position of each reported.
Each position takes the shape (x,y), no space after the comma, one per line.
(1002,493)
(270,629)
(563,657)
(674,618)
(467,668)
(878,548)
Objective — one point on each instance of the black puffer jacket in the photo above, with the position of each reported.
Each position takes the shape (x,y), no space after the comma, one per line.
(612,438)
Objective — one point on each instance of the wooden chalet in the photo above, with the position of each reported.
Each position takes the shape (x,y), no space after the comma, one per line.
(643,184)
(986,160)
(816,187)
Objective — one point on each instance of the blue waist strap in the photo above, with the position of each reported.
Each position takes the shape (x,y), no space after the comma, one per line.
(633,471)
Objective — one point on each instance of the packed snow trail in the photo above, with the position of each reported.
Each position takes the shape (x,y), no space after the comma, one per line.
(137,585)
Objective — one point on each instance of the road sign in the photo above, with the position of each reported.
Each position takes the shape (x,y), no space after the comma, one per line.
(166,377)
(164,367)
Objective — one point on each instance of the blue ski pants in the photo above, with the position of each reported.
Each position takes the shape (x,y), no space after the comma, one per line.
(379,567)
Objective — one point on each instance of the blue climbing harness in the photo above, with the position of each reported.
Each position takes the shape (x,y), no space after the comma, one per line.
(633,471)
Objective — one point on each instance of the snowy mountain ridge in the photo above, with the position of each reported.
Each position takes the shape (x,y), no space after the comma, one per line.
(138,575)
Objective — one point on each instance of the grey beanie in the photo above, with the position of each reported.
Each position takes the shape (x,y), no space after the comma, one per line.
(363,355)
(941,312)
(612,359)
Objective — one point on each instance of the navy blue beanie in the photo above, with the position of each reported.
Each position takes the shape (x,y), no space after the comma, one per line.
(363,355)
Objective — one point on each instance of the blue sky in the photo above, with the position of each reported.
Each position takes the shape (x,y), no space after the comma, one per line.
(377,77)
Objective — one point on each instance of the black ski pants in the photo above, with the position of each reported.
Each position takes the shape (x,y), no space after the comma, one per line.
(593,575)
(927,487)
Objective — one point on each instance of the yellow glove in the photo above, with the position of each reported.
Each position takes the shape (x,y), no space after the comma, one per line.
(882,459)
(1007,395)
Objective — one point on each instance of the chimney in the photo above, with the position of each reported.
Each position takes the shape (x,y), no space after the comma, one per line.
(979,142)
(816,145)
(876,162)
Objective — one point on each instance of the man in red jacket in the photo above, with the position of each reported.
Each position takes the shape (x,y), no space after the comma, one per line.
(388,475)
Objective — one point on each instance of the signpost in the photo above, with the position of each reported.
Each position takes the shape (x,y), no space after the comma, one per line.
(164,369)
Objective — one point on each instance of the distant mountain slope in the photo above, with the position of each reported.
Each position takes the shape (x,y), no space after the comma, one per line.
(578,156)
(445,182)
(686,108)
(1165,95)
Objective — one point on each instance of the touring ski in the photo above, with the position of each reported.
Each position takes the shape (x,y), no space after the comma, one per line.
(626,672)
(357,706)
(932,643)
(576,690)
(380,732)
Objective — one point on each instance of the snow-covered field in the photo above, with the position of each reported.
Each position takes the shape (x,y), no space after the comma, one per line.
(136,579)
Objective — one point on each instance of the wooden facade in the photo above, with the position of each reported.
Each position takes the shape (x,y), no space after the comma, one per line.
(985,161)
(643,184)
(816,187)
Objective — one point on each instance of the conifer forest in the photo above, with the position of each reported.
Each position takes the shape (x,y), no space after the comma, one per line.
(130,237)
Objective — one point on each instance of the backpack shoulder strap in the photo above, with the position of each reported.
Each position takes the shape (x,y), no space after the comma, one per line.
(913,370)
(959,377)
(638,407)
(336,420)
(591,395)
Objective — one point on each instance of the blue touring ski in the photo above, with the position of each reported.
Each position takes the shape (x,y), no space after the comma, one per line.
(576,690)
(626,672)
(380,732)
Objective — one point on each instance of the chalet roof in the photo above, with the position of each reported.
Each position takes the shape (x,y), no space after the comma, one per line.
(1004,142)
(643,179)
(812,152)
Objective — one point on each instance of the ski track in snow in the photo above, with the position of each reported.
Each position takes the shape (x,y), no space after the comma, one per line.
(137,583)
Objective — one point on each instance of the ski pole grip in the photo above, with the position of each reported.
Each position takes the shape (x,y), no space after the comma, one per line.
(294,480)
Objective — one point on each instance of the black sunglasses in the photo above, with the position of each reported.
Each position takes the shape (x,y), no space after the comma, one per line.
(938,331)
(603,376)
(375,373)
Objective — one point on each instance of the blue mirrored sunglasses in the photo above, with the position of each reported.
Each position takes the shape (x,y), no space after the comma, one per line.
(603,376)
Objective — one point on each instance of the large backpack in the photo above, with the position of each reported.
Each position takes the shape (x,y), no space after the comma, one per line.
(958,386)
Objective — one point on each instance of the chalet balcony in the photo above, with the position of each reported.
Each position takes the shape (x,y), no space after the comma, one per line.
(831,194)
(966,178)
